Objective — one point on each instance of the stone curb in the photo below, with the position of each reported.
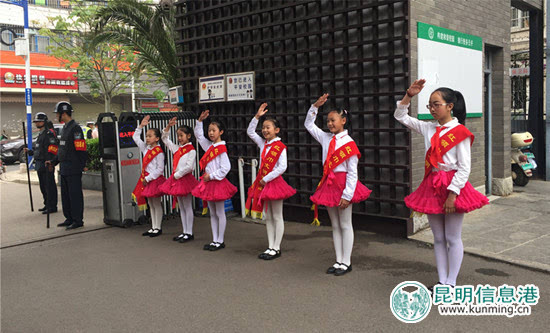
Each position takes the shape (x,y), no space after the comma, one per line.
(535,266)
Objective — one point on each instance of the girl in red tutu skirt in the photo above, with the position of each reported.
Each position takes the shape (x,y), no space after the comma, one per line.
(214,187)
(445,193)
(151,176)
(339,187)
(269,189)
(182,181)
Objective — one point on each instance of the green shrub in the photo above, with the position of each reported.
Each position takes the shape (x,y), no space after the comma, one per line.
(94,162)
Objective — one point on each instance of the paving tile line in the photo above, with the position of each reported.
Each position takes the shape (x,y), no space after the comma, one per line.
(527,242)
(38,240)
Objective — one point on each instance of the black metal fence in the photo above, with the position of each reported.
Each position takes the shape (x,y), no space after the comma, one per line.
(355,50)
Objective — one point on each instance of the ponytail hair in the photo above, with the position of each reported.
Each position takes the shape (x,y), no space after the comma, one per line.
(459,104)
(187,130)
(161,144)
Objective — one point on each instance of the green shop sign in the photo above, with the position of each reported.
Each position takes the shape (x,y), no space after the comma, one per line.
(447,36)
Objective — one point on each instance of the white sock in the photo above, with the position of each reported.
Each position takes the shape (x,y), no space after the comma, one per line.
(188,206)
(453,235)
(346,227)
(437,224)
(269,225)
(222,221)
(336,232)
(214,223)
(277,217)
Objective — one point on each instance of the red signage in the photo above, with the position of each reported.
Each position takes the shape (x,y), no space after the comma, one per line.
(126,134)
(156,107)
(129,162)
(41,80)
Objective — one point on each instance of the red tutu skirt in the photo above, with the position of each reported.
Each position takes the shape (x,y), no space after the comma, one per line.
(214,190)
(179,187)
(152,190)
(330,192)
(432,193)
(277,189)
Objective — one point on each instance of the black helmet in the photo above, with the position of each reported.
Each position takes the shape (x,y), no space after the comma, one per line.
(63,107)
(40,116)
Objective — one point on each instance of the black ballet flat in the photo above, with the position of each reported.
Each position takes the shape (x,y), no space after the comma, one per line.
(207,247)
(147,233)
(273,256)
(186,238)
(264,254)
(178,238)
(332,269)
(217,247)
(340,271)
(156,234)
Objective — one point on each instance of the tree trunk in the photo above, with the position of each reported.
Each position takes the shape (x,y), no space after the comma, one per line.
(107,98)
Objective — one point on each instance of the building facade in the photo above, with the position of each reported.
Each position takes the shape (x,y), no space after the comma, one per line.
(365,54)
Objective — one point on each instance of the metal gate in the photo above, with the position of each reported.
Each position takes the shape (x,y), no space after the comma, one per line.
(355,50)
(160,120)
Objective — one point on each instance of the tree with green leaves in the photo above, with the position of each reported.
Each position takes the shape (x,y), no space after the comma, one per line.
(107,67)
(145,27)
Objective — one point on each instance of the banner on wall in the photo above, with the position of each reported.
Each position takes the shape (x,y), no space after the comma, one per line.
(42,81)
(448,58)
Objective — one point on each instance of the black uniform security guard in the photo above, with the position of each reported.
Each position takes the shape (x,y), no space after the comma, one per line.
(45,149)
(72,157)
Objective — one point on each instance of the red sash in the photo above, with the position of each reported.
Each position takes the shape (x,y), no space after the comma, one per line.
(136,194)
(338,157)
(210,154)
(254,206)
(177,155)
(446,143)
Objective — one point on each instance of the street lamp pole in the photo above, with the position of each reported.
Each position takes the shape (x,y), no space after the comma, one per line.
(28,92)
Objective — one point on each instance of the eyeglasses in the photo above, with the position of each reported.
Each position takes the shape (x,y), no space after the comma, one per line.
(434,105)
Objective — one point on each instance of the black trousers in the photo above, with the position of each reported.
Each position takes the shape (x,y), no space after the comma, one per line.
(48,188)
(72,198)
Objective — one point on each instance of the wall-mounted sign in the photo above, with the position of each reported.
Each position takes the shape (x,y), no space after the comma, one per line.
(212,89)
(521,71)
(175,94)
(240,86)
(158,107)
(448,58)
(42,81)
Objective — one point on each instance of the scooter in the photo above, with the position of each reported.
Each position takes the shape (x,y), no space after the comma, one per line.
(523,160)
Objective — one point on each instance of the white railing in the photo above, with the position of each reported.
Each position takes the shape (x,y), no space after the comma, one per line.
(242,190)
